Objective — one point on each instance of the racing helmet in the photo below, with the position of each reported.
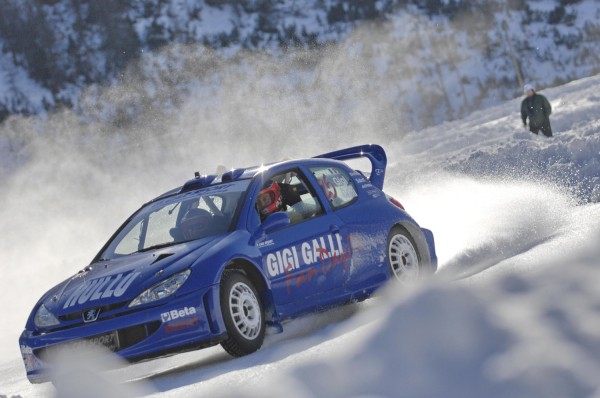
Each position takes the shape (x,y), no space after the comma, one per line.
(269,200)
(195,223)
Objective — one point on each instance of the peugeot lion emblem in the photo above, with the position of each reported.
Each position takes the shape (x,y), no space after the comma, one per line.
(91,315)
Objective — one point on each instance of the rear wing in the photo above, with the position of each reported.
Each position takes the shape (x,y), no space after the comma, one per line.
(374,153)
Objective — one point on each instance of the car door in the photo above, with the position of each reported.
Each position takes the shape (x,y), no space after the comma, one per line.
(365,230)
(303,259)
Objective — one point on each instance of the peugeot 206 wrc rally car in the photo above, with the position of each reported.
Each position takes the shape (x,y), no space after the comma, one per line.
(223,257)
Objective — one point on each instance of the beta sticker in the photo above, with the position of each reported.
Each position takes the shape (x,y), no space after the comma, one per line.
(176,314)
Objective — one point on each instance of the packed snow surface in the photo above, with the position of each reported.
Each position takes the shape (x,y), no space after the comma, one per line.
(512,312)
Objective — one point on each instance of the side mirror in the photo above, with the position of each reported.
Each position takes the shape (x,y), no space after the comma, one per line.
(275,221)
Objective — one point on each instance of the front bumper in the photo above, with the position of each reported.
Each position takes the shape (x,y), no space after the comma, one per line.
(181,323)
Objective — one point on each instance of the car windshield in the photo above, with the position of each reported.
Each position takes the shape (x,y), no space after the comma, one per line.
(184,217)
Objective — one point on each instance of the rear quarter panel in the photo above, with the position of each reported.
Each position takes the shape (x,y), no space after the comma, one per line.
(368,222)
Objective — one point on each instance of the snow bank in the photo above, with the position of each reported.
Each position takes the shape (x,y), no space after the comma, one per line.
(493,143)
(507,337)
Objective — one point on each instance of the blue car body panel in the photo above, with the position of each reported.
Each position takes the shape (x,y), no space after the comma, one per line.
(334,257)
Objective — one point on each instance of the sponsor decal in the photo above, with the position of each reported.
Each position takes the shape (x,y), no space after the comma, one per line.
(339,180)
(107,287)
(319,256)
(31,362)
(336,184)
(328,188)
(107,340)
(304,254)
(176,314)
(26,350)
(375,193)
(182,324)
(265,243)
(182,197)
(91,315)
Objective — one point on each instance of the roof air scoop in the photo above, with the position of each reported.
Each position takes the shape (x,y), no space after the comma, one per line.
(232,175)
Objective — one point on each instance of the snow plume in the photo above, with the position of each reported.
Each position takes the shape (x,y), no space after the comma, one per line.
(383,80)
(83,372)
(276,103)
(497,220)
(499,226)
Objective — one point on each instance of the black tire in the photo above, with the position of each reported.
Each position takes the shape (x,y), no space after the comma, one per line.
(243,314)
(403,257)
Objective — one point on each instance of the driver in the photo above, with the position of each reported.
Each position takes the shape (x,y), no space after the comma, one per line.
(269,200)
(195,224)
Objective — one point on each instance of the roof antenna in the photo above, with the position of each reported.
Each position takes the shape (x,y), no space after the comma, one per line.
(197,174)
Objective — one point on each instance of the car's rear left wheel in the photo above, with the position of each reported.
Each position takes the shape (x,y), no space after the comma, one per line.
(404,260)
(243,314)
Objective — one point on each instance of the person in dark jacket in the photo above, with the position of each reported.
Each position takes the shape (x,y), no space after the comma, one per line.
(537,108)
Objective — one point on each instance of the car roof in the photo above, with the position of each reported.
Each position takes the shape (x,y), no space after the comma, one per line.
(205,180)
(375,153)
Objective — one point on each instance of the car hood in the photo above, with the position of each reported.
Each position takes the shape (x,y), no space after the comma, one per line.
(121,280)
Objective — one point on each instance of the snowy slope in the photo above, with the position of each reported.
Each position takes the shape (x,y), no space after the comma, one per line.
(452,55)
(513,311)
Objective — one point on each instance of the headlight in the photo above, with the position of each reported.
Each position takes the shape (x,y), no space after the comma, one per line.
(44,318)
(162,289)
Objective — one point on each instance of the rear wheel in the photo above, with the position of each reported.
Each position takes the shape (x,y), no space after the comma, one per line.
(243,314)
(404,260)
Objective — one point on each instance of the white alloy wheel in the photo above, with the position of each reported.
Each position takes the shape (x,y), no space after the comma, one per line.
(403,259)
(245,310)
(243,314)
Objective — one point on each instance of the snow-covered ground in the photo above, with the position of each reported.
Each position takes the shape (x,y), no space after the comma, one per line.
(512,312)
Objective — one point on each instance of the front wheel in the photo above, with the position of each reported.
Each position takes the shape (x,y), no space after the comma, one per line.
(404,260)
(243,314)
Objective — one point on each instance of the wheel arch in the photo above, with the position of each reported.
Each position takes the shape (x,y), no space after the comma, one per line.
(259,281)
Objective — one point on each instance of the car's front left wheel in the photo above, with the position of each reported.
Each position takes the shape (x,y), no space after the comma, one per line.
(243,314)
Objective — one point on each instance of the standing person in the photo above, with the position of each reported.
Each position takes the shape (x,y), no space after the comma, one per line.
(537,108)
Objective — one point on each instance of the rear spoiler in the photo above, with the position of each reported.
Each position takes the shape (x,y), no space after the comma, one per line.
(374,153)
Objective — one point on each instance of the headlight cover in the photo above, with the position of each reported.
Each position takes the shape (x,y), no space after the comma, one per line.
(162,289)
(44,318)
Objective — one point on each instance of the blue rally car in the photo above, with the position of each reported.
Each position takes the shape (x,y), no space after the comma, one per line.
(223,257)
